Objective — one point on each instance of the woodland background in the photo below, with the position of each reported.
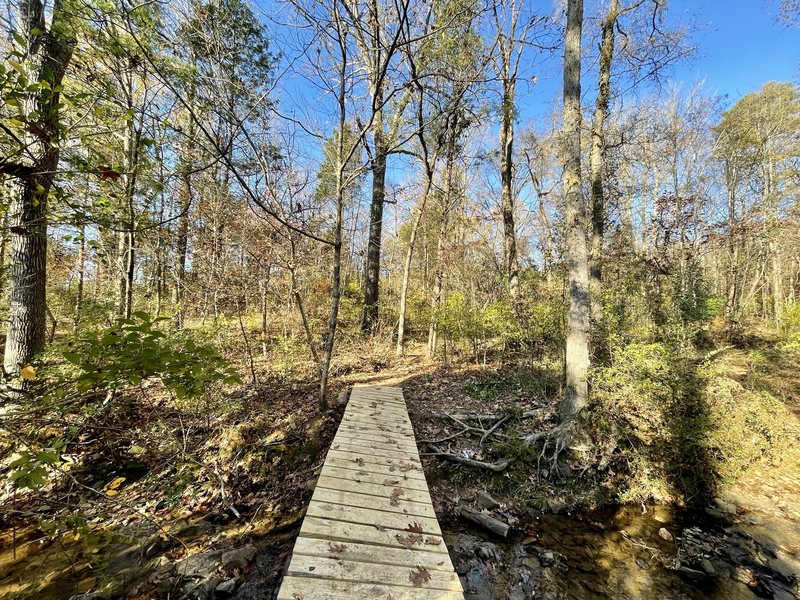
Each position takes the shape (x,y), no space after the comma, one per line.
(189,258)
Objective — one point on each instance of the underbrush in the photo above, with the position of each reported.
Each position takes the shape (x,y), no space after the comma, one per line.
(132,431)
(676,427)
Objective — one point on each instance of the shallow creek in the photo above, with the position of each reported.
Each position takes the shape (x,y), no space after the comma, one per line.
(623,552)
(728,552)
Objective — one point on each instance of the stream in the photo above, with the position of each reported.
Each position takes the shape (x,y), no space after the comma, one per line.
(624,552)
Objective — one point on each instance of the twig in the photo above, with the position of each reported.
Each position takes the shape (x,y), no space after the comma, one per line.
(449,437)
(494,428)
(528,414)
(535,437)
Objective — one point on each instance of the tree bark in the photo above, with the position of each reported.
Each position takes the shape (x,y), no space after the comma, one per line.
(597,159)
(369,319)
(49,53)
(578,327)
(510,259)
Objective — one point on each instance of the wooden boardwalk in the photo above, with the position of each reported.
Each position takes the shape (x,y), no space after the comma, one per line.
(370,530)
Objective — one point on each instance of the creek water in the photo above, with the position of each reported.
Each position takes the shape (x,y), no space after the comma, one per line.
(659,553)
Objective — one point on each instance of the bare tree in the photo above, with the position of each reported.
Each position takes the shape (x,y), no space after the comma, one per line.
(578,327)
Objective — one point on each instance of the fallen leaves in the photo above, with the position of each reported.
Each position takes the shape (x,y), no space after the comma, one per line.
(394,497)
(432,541)
(414,527)
(419,576)
(112,488)
(408,541)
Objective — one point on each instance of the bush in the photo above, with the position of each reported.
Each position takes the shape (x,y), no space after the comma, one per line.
(90,373)
(678,427)
(790,325)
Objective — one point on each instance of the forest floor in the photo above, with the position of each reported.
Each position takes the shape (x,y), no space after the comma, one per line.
(212,507)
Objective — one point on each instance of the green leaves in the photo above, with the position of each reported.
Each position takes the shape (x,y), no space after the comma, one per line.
(135,349)
(30,470)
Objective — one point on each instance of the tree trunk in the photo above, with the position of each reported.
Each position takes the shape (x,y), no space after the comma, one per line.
(81,276)
(182,233)
(401,325)
(336,271)
(369,319)
(577,349)
(49,54)
(510,260)
(438,271)
(597,156)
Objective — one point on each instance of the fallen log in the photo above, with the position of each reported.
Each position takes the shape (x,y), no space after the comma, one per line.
(494,525)
(497,467)
(528,414)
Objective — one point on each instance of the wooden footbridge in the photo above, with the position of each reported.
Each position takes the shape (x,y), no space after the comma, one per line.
(370,530)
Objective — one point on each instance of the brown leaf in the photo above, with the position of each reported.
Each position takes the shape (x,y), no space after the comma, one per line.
(336,547)
(414,527)
(391,481)
(420,576)
(108,173)
(395,496)
(432,541)
(409,540)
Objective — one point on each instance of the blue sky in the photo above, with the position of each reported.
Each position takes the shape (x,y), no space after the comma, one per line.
(740,46)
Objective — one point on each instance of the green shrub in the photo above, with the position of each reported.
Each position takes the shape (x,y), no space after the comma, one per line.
(680,428)
(89,373)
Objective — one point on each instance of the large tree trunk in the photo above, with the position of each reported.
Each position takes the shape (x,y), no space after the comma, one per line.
(577,350)
(369,318)
(597,156)
(510,260)
(27,330)
(49,54)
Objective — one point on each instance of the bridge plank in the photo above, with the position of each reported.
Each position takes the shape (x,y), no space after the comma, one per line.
(370,530)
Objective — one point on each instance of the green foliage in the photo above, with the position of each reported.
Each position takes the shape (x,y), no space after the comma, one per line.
(98,366)
(679,426)
(790,325)
(136,349)
(30,469)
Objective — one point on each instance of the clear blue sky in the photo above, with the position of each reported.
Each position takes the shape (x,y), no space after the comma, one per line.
(740,46)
